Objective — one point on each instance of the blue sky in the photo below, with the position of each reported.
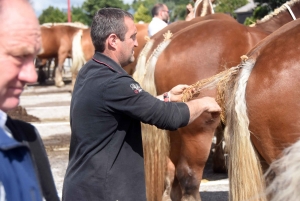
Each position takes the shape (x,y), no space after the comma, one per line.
(40,5)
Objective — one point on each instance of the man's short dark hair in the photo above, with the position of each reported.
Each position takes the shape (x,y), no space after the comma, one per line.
(157,7)
(105,22)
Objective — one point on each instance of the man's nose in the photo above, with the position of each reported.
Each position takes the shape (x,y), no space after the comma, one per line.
(28,73)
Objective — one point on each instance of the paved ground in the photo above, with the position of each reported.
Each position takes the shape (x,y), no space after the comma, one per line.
(47,108)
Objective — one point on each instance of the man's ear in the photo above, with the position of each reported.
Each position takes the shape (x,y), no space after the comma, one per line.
(112,40)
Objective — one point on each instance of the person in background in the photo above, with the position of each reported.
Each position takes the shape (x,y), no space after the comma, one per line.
(189,12)
(25,173)
(107,107)
(160,18)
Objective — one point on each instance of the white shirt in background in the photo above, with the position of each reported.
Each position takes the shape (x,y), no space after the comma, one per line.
(155,26)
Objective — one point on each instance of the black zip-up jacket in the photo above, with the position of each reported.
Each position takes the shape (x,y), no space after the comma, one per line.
(106,153)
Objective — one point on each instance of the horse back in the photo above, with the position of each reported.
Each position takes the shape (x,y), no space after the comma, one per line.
(272,92)
(55,38)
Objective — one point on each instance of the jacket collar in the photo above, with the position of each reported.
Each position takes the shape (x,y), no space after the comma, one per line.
(107,61)
(3,117)
(7,143)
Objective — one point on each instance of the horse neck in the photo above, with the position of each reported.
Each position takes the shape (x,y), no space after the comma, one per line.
(203,8)
(272,22)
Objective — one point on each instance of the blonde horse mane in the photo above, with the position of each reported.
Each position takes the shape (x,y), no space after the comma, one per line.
(283,175)
(245,173)
(155,141)
(206,3)
(277,11)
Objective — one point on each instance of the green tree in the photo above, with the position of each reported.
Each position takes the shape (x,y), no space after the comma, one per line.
(142,14)
(78,15)
(258,13)
(229,6)
(92,6)
(271,3)
(264,8)
(146,3)
(52,14)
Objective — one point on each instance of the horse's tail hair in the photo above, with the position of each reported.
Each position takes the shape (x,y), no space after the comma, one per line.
(78,59)
(287,175)
(245,174)
(155,141)
(139,73)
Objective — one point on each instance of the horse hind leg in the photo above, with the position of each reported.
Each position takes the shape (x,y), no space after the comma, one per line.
(59,70)
(169,181)
(189,183)
(219,161)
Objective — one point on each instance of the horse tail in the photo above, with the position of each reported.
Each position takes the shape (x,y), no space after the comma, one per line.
(139,73)
(155,141)
(287,180)
(78,59)
(245,174)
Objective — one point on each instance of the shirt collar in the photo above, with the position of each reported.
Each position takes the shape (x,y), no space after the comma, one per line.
(108,61)
(3,118)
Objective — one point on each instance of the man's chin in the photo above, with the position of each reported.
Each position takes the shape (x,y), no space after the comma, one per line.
(10,104)
(132,59)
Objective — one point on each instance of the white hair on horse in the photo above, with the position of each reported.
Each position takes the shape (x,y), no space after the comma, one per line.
(284,176)
(72,24)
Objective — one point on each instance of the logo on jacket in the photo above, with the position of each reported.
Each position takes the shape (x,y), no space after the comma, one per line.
(136,88)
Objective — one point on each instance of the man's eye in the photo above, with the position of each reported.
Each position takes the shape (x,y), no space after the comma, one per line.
(133,37)
(21,57)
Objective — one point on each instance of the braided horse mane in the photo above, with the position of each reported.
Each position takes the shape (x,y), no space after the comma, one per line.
(276,12)
(206,4)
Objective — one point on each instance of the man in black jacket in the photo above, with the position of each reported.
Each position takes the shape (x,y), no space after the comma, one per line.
(25,173)
(106,153)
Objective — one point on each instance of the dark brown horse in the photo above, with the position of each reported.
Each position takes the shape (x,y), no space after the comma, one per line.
(191,54)
(57,43)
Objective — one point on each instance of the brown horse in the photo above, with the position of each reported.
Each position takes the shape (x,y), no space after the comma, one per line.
(192,54)
(262,110)
(57,43)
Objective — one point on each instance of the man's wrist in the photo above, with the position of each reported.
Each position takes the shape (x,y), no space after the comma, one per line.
(166,97)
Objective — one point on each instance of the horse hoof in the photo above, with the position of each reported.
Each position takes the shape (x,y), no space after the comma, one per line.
(60,84)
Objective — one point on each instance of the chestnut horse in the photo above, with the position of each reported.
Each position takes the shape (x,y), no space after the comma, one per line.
(262,110)
(261,107)
(185,59)
(57,43)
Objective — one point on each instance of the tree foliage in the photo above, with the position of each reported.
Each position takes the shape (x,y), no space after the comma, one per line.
(271,3)
(264,8)
(229,6)
(78,15)
(142,14)
(92,6)
(52,14)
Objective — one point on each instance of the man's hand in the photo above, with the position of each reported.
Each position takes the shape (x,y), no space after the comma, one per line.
(205,104)
(176,92)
